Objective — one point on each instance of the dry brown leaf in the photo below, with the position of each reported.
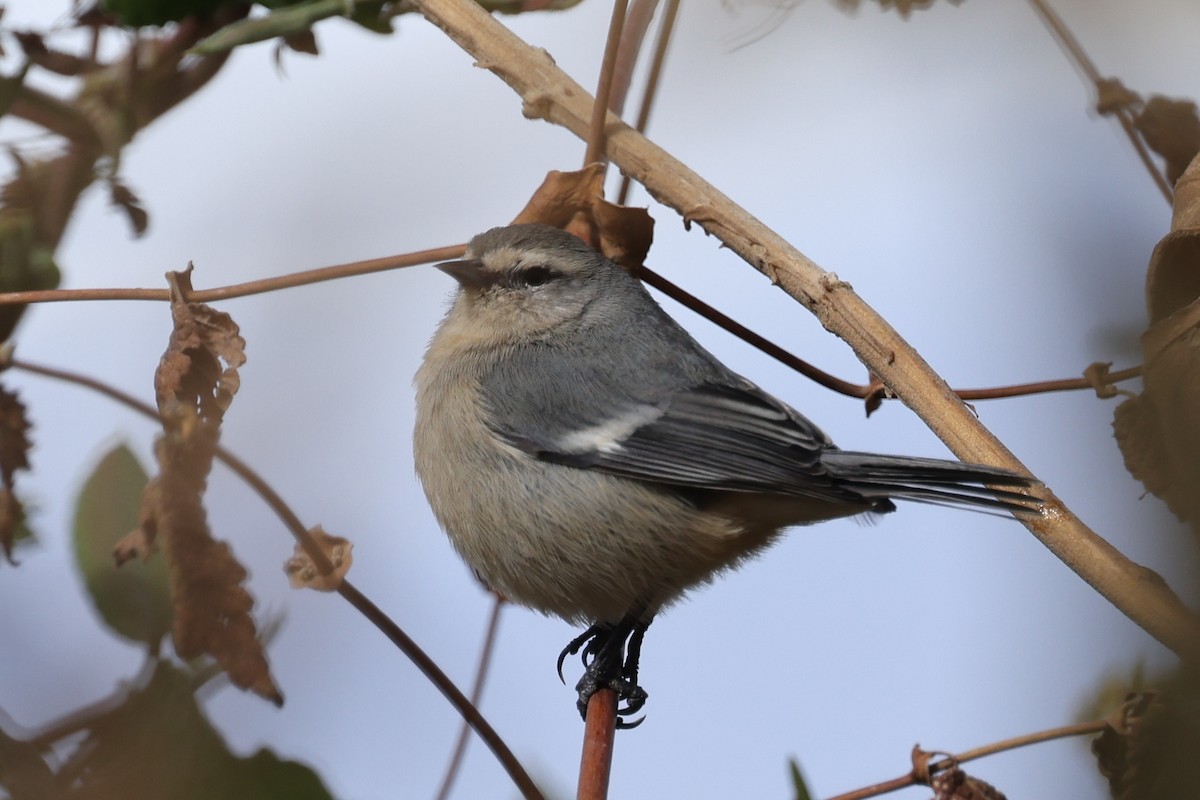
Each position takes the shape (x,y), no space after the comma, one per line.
(1172,129)
(211,607)
(876,394)
(1159,431)
(905,7)
(135,544)
(303,572)
(303,42)
(195,383)
(949,783)
(199,367)
(921,761)
(12,514)
(14,455)
(123,198)
(1113,96)
(574,201)
(14,443)
(1097,376)
(1148,749)
(142,542)
(954,784)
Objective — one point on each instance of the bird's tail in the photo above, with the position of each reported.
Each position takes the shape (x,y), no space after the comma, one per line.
(931,480)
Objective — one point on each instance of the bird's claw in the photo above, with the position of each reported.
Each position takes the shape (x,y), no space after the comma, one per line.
(628,692)
(602,649)
(586,642)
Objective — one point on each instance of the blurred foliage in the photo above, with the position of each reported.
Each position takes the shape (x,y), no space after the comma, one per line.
(1158,431)
(134,601)
(799,787)
(155,743)
(23,773)
(26,260)
(1149,750)
(191,761)
(905,7)
(139,13)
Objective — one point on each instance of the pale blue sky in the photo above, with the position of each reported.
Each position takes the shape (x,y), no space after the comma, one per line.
(948,167)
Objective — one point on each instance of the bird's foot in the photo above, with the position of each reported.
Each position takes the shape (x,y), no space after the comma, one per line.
(607,666)
(632,695)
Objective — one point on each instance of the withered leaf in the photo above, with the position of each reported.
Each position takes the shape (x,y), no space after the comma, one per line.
(876,394)
(954,784)
(211,607)
(1096,374)
(304,573)
(31,42)
(14,455)
(123,197)
(14,443)
(199,367)
(1148,749)
(195,383)
(575,202)
(135,544)
(1159,433)
(1172,129)
(33,45)
(1136,429)
(12,514)
(905,7)
(142,542)
(1114,96)
(303,42)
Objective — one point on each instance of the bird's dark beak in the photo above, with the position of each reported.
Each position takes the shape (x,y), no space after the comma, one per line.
(468,272)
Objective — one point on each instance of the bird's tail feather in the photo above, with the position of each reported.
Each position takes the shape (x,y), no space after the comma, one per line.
(931,480)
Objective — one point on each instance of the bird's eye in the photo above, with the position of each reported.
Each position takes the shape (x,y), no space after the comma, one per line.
(536,275)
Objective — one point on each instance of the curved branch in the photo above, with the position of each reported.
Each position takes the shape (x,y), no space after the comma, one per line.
(550,94)
(347,590)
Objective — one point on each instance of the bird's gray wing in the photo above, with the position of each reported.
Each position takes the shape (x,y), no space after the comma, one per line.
(710,436)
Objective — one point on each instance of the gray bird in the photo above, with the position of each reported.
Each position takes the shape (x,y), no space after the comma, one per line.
(589,459)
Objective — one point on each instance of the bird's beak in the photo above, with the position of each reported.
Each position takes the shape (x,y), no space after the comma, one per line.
(468,272)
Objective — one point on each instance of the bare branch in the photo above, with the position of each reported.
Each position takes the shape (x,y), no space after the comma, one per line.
(347,590)
(550,94)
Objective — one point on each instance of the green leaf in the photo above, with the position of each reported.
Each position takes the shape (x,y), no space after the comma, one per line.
(799,787)
(140,13)
(133,600)
(23,773)
(158,744)
(286,20)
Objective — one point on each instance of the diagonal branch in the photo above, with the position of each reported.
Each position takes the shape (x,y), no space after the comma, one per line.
(1078,55)
(550,94)
(364,605)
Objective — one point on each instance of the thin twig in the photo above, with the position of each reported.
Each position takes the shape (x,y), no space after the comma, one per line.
(652,82)
(844,387)
(599,733)
(596,136)
(551,95)
(637,22)
(276,283)
(88,716)
(600,729)
(910,779)
(1043,387)
(689,300)
(481,673)
(347,590)
(1077,54)
(664,285)
(503,754)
